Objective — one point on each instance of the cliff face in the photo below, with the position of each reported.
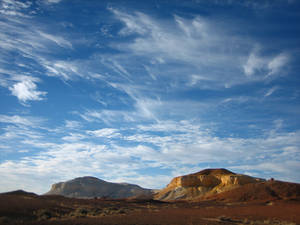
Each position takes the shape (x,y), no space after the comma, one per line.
(203,183)
(90,187)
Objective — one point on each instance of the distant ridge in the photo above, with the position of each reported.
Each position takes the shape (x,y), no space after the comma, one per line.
(20,193)
(91,187)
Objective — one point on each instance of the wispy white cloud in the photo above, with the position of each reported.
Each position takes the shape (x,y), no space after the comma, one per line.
(14,7)
(172,126)
(195,52)
(69,70)
(107,116)
(15,128)
(52,1)
(15,120)
(105,132)
(13,134)
(265,66)
(195,79)
(271,91)
(143,109)
(160,40)
(27,38)
(56,39)
(73,137)
(21,120)
(192,43)
(62,69)
(72,124)
(253,64)
(277,63)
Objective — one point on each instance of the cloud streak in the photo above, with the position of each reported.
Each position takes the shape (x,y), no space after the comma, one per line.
(20,120)
(197,52)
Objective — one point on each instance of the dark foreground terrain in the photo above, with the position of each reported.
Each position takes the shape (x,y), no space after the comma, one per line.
(26,208)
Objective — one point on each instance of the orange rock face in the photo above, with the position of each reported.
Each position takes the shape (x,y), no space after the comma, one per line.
(193,181)
(206,182)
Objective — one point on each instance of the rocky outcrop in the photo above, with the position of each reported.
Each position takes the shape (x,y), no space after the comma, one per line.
(203,183)
(91,187)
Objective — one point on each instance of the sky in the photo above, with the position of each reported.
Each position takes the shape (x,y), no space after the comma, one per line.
(142,91)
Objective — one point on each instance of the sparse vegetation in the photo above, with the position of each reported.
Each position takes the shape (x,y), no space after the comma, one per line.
(43,214)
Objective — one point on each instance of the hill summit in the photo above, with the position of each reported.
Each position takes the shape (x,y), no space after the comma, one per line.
(203,183)
(90,187)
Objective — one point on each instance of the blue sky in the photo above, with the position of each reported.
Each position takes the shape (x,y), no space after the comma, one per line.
(142,91)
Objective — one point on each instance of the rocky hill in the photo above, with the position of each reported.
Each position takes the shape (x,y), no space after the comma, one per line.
(90,187)
(204,183)
(261,191)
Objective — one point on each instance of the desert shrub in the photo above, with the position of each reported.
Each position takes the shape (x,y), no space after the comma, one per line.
(95,212)
(44,214)
(80,212)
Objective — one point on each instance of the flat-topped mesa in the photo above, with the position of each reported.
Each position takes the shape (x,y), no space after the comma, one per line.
(209,178)
(90,187)
(205,182)
(217,171)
